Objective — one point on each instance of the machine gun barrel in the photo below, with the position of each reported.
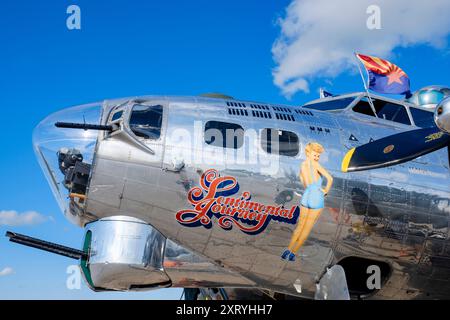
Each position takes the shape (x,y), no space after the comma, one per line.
(84,126)
(46,246)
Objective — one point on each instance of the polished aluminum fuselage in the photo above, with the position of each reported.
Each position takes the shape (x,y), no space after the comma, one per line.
(399,215)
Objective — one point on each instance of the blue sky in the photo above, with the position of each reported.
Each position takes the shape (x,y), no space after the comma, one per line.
(127,48)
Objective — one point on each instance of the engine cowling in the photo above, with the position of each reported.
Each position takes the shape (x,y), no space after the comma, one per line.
(442,115)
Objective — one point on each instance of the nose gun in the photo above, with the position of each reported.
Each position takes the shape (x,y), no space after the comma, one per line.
(84,126)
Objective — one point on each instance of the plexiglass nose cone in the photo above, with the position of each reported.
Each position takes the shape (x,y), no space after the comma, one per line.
(65,156)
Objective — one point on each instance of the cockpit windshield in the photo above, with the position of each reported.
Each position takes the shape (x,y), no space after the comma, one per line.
(66,155)
(383,110)
(422,118)
(336,104)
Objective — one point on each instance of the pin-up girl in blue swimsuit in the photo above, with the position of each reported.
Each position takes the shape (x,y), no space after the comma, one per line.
(312,202)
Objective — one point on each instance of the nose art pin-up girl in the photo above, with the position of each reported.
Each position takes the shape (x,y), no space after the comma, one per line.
(312,202)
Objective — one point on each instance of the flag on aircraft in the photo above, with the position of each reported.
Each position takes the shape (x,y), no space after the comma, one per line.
(384,76)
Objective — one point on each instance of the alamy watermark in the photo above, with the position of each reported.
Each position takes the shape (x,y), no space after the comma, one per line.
(217,146)
(373,22)
(73,21)
(73,281)
(374,280)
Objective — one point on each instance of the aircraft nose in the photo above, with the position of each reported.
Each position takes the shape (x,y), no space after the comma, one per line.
(442,115)
(65,155)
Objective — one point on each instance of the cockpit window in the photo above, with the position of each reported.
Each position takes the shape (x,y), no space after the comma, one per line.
(337,104)
(146,121)
(422,118)
(363,106)
(391,111)
(384,110)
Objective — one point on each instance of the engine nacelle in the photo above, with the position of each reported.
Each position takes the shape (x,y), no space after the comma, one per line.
(442,115)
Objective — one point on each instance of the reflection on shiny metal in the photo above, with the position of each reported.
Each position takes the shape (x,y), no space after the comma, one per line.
(397,215)
(187,269)
(333,285)
(429,97)
(298,286)
(126,254)
(442,115)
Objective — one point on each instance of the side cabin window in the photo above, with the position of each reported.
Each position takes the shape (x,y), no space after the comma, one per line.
(224,134)
(284,143)
(146,121)
(384,109)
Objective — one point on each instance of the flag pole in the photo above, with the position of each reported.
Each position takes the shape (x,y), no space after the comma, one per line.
(365,85)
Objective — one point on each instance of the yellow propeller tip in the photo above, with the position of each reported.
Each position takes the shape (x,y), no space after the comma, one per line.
(346,160)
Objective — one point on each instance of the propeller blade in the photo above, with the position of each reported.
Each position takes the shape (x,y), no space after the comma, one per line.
(395,149)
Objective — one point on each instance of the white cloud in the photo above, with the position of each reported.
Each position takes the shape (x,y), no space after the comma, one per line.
(6,272)
(318,37)
(13,218)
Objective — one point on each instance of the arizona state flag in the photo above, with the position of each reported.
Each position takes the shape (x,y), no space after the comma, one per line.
(384,76)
